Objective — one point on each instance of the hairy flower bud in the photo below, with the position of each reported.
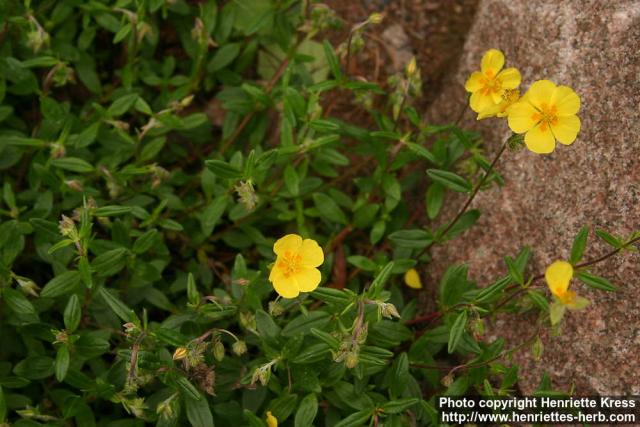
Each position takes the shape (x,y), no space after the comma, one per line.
(239,347)
(218,350)
(351,360)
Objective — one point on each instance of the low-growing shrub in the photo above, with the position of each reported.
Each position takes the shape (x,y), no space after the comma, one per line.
(169,167)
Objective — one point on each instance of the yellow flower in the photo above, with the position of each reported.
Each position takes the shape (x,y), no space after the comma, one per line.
(488,85)
(546,113)
(412,279)
(295,268)
(558,276)
(509,97)
(271,420)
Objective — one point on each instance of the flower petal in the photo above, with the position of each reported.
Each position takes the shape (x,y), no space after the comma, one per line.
(510,78)
(308,279)
(566,129)
(541,92)
(473,82)
(492,60)
(540,140)
(490,111)
(558,275)
(290,242)
(311,252)
(521,117)
(567,101)
(286,287)
(496,97)
(479,101)
(412,279)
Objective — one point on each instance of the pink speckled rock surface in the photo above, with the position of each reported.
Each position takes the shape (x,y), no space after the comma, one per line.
(594,47)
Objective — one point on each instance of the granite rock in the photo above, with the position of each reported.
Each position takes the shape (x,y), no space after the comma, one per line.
(591,46)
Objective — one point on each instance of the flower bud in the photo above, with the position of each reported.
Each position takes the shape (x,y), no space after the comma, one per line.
(412,66)
(447,380)
(275,309)
(376,18)
(75,185)
(239,348)
(351,360)
(218,351)
(389,310)
(247,195)
(248,321)
(180,353)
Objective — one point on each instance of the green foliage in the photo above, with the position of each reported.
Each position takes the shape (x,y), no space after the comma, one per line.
(151,153)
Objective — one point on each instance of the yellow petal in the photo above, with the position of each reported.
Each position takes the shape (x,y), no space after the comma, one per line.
(566,101)
(493,60)
(271,420)
(311,252)
(479,101)
(521,117)
(541,92)
(496,97)
(540,140)
(558,275)
(473,82)
(510,78)
(489,112)
(308,279)
(286,287)
(566,129)
(412,279)
(290,242)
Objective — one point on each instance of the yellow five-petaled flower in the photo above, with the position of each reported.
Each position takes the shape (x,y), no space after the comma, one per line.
(295,268)
(546,113)
(492,86)
(558,276)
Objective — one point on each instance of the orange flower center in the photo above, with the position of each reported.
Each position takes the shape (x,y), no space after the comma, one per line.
(547,115)
(289,263)
(566,297)
(490,83)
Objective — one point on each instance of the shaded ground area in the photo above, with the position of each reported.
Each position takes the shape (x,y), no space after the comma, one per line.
(434,31)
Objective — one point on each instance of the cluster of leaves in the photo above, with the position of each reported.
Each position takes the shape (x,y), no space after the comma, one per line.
(152,151)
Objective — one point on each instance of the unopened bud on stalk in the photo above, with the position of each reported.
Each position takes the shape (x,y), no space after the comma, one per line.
(351,360)
(180,353)
(218,350)
(239,348)
(376,18)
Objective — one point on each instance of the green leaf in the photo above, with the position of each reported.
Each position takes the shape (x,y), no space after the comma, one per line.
(422,152)
(282,407)
(457,329)
(307,411)
(62,363)
(223,57)
(434,199)
(412,239)
(381,278)
(539,300)
(111,211)
(304,323)
(609,239)
(362,262)
(72,164)
(223,169)
(493,290)
(328,208)
(332,60)
(117,306)
(72,313)
(62,284)
(514,272)
(122,105)
(3,406)
(357,419)
(144,242)
(595,282)
(450,180)
(198,412)
(579,243)
(267,328)
(400,405)
(212,214)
